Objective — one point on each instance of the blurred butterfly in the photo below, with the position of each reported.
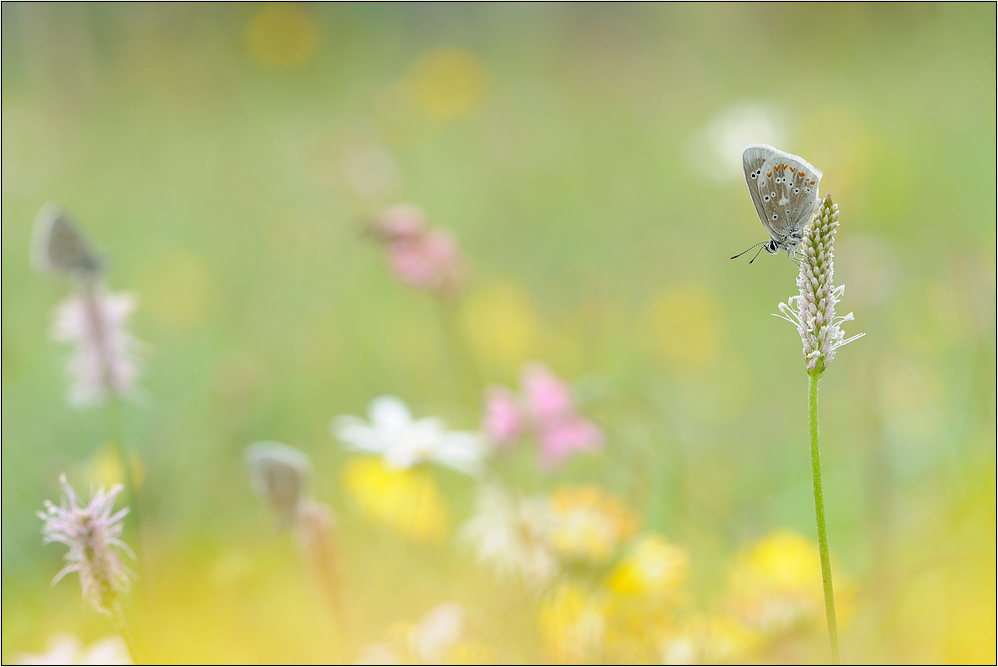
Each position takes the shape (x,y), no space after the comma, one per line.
(59,247)
(784,189)
(280,475)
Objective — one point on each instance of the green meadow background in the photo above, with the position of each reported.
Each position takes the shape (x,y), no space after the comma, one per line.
(587,160)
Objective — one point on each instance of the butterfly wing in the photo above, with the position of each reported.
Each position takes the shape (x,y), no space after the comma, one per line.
(59,245)
(787,186)
(753,158)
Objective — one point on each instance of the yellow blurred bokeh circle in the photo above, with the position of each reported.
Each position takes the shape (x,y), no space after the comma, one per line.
(281,34)
(449,82)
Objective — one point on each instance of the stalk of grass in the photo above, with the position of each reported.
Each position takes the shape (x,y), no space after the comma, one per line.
(819,513)
(812,311)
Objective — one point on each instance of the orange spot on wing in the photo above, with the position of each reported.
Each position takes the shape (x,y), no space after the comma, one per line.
(768,174)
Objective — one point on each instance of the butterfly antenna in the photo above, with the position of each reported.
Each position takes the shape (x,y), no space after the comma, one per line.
(756,255)
(749,248)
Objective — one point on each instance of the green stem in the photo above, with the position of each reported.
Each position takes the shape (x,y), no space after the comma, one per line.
(115,434)
(819,513)
(121,627)
(460,352)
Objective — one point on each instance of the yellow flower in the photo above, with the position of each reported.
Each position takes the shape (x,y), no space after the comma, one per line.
(653,568)
(708,640)
(645,591)
(572,624)
(775,583)
(589,523)
(406,500)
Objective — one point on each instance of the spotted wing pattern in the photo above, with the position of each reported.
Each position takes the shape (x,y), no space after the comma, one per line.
(788,195)
(60,245)
(753,157)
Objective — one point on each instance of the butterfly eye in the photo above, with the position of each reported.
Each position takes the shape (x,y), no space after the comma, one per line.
(754,175)
(775,216)
(766,198)
(796,191)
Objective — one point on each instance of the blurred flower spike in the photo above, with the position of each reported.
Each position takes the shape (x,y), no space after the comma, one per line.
(422,257)
(813,310)
(90,532)
(404,442)
(546,410)
(103,364)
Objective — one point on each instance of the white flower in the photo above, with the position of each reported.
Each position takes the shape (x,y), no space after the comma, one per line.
(102,364)
(67,650)
(404,442)
(513,535)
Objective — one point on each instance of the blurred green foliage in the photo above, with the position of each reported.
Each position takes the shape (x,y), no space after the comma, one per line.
(586,157)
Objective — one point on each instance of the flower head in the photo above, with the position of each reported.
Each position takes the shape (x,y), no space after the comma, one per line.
(89,532)
(280,476)
(422,257)
(653,568)
(813,310)
(103,363)
(511,535)
(705,640)
(404,499)
(589,523)
(503,421)
(775,582)
(547,410)
(404,442)
(573,624)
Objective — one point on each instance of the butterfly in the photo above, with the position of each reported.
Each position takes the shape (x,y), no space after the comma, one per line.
(280,475)
(784,189)
(60,247)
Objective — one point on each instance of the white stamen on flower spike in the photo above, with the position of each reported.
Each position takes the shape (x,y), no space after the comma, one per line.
(813,310)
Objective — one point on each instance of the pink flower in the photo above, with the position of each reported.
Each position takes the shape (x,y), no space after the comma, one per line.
(571,433)
(102,364)
(548,398)
(503,420)
(547,411)
(424,258)
(398,222)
